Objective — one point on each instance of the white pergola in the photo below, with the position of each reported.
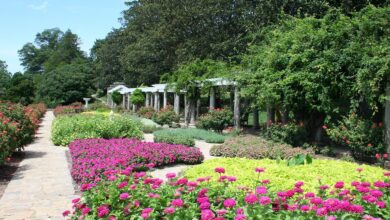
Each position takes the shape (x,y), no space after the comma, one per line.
(153,93)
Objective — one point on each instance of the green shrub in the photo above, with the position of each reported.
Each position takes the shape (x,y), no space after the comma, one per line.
(146,112)
(147,125)
(216,119)
(99,107)
(194,133)
(284,177)
(256,148)
(169,136)
(290,133)
(363,137)
(68,128)
(166,116)
(137,97)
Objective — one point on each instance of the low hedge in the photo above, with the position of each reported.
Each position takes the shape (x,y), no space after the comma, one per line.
(169,136)
(71,127)
(185,134)
(281,176)
(253,147)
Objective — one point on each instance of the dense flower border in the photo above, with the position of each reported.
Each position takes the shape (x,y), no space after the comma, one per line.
(18,125)
(93,159)
(136,195)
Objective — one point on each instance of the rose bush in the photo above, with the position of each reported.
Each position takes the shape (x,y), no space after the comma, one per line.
(95,159)
(135,195)
(17,126)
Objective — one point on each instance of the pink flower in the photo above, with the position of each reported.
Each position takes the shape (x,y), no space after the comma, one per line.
(324,187)
(66,213)
(359,169)
(251,199)
(261,190)
(265,200)
(321,212)
(182,181)
(219,170)
(305,208)
(76,200)
(204,205)
(192,184)
(240,211)
(229,203)
(85,210)
(147,210)
(170,175)
(221,212)
(207,214)
(177,202)
(123,196)
(265,181)
(339,185)
(232,178)
(330,218)
(309,195)
(103,211)
(259,169)
(169,210)
(122,185)
(316,201)
(240,217)
(299,184)
(376,193)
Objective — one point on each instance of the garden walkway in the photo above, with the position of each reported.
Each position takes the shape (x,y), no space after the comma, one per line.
(178,168)
(42,186)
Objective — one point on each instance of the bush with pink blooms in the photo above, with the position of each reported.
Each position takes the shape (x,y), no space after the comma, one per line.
(96,159)
(135,195)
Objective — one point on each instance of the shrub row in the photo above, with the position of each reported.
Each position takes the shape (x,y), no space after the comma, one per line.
(253,147)
(187,135)
(216,119)
(138,196)
(17,126)
(80,126)
(93,159)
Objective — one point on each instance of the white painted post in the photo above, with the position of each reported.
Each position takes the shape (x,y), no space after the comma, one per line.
(156,101)
(197,108)
(176,103)
(186,110)
(212,98)
(236,107)
(165,101)
(147,99)
(128,101)
(192,112)
(123,101)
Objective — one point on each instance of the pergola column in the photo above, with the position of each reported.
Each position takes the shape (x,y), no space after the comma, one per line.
(176,103)
(128,101)
(165,100)
(212,98)
(156,101)
(147,99)
(236,107)
(186,110)
(123,101)
(256,118)
(197,108)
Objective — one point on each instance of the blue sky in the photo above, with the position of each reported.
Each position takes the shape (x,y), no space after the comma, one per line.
(21,20)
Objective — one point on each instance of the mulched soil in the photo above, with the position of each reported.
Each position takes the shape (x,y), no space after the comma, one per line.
(8,170)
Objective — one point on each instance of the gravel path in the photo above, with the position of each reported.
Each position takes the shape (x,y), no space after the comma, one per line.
(178,168)
(42,186)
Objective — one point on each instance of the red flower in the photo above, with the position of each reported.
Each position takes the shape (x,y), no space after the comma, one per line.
(378,156)
(369,145)
(325,127)
(380,124)
(384,155)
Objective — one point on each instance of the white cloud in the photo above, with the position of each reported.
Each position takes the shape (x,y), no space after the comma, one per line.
(39,7)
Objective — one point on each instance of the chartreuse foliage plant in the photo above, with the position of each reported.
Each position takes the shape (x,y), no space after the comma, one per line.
(136,195)
(282,176)
(68,128)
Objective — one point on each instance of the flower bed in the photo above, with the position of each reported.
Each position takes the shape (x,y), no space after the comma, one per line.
(256,148)
(17,126)
(67,110)
(138,196)
(187,135)
(283,176)
(68,128)
(96,158)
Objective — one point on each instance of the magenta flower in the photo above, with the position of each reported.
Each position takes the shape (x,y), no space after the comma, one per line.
(219,170)
(85,210)
(259,169)
(207,214)
(177,202)
(123,196)
(204,205)
(65,213)
(261,190)
(299,184)
(321,212)
(221,212)
(229,203)
(339,185)
(240,217)
(251,199)
(169,210)
(305,208)
(265,200)
(376,193)
(103,211)
(170,175)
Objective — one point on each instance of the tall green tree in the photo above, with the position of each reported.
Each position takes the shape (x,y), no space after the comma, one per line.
(21,89)
(5,78)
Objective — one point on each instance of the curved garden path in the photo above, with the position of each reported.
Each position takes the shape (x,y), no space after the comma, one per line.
(178,168)
(42,186)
